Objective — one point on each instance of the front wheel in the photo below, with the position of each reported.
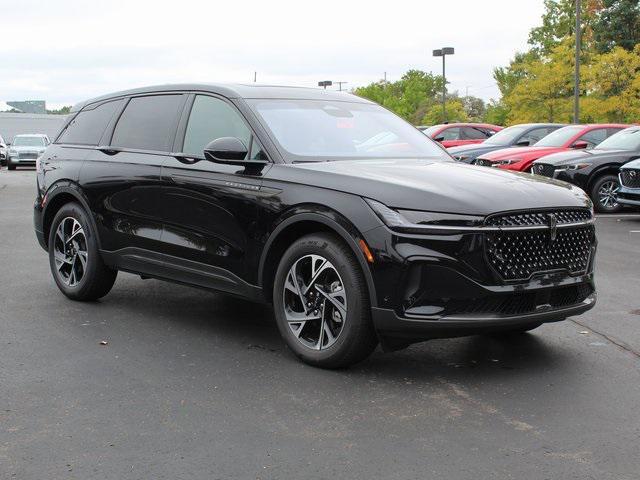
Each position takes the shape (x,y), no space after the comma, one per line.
(10,166)
(75,261)
(321,303)
(603,194)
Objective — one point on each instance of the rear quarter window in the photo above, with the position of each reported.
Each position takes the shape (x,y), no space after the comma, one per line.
(89,125)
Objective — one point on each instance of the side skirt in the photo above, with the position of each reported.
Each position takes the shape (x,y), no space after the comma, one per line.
(150,264)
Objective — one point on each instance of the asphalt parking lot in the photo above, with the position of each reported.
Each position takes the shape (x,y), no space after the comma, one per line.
(194,384)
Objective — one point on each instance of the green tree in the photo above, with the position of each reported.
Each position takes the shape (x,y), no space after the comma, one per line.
(617,24)
(61,111)
(474,108)
(497,113)
(454,109)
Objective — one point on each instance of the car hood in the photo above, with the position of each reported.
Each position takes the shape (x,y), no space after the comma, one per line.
(633,164)
(435,185)
(594,155)
(520,153)
(26,148)
(474,149)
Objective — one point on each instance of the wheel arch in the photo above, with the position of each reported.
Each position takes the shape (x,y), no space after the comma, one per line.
(303,223)
(56,198)
(608,169)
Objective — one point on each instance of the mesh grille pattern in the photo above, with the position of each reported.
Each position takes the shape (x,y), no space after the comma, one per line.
(523,303)
(630,178)
(538,218)
(543,169)
(516,255)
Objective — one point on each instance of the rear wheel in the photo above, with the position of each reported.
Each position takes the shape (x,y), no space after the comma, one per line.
(603,194)
(321,303)
(75,262)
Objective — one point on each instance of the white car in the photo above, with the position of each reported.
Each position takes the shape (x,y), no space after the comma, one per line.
(26,149)
(3,151)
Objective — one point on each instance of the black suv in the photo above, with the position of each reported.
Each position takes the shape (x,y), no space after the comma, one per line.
(356,226)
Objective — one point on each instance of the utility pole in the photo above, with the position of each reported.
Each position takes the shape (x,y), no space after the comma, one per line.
(385,78)
(576,82)
(340,85)
(443,52)
(255,76)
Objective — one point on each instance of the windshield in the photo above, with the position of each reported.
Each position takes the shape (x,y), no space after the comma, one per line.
(506,136)
(28,141)
(628,139)
(316,130)
(559,138)
(431,130)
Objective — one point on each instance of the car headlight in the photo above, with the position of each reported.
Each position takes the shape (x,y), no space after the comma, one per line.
(504,162)
(461,158)
(418,221)
(12,151)
(573,166)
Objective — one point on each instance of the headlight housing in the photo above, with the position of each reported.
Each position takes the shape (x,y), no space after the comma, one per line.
(573,166)
(505,162)
(12,151)
(418,221)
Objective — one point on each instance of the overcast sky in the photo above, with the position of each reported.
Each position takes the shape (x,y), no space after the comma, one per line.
(65,51)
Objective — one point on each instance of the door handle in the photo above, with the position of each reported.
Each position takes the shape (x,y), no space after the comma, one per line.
(185,158)
(109,150)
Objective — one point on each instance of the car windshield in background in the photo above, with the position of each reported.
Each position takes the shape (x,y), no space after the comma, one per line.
(28,142)
(506,136)
(431,130)
(316,130)
(559,137)
(628,139)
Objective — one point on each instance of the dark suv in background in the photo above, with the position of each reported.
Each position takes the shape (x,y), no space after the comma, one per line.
(357,227)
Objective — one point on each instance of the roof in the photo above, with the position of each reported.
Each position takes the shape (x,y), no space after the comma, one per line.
(467,124)
(31,135)
(245,91)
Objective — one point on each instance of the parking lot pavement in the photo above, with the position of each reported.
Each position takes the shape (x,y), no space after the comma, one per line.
(194,384)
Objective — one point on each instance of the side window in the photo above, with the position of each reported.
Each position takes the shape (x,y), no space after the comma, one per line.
(452,133)
(613,131)
(594,137)
(212,118)
(470,133)
(534,135)
(148,123)
(88,126)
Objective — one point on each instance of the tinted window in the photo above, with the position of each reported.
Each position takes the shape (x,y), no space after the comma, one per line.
(534,135)
(148,123)
(452,133)
(212,118)
(88,126)
(594,137)
(471,133)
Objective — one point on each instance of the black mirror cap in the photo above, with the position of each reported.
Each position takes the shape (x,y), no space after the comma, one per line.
(226,150)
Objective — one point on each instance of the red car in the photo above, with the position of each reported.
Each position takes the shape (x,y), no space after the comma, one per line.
(454,134)
(573,136)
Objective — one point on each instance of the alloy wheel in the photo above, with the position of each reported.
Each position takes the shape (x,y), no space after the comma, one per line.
(607,194)
(70,251)
(315,302)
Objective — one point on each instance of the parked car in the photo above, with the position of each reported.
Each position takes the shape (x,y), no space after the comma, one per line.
(26,149)
(280,195)
(562,140)
(3,152)
(595,171)
(629,192)
(522,135)
(454,134)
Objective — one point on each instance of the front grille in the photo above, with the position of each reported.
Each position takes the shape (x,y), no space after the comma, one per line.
(518,253)
(538,218)
(630,178)
(27,155)
(543,169)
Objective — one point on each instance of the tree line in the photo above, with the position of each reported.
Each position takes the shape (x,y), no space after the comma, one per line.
(537,85)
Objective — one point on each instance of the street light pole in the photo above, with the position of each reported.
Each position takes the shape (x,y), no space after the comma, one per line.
(443,52)
(576,81)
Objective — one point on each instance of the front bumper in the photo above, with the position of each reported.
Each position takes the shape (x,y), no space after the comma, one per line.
(628,196)
(441,286)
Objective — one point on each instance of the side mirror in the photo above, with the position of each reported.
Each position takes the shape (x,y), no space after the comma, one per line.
(439,139)
(523,143)
(580,144)
(231,151)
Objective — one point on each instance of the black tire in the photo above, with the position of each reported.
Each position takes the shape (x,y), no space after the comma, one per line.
(10,166)
(357,338)
(96,279)
(601,203)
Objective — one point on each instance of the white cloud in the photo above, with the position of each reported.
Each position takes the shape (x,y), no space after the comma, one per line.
(69,50)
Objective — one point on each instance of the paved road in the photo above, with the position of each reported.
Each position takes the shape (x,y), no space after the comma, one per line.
(197,385)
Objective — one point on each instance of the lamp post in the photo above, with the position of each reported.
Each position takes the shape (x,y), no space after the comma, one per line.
(443,52)
(576,75)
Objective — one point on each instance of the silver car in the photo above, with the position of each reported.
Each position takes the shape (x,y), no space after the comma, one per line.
(3,151)
(26,149)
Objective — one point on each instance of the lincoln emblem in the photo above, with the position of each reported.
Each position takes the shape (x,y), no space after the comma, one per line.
(553,228)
